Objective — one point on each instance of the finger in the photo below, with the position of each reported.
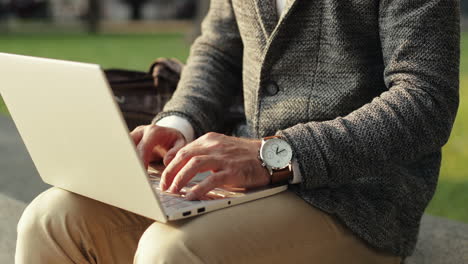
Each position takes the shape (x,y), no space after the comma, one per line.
(180,143)
(196,165)
(179,161)
(209,183)
(147,143)
(137,134)
(157,154)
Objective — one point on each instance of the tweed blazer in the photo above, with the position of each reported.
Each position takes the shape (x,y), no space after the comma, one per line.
(365,91)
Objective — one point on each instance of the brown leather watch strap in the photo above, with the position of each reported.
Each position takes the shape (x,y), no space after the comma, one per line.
(270,137)
(281,176)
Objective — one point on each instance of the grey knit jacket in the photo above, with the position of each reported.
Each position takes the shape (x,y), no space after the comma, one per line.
(365,91)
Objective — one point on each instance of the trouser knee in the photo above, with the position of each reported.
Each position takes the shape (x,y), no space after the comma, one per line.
(163,243)
(63,227)
(46,212)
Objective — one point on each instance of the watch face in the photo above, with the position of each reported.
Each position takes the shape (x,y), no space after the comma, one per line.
(276,153)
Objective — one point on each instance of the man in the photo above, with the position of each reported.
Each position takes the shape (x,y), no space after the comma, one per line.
(364,92)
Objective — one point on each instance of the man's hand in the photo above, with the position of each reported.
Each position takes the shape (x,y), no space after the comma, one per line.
(233,161)
(155,142)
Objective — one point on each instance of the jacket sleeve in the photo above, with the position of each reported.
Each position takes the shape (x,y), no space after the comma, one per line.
(212,74)
(413,117)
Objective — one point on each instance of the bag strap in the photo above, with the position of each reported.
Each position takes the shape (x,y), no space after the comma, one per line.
(166,69)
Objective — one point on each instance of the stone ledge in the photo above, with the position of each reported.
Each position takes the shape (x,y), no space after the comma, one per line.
(11,211)
(441,241)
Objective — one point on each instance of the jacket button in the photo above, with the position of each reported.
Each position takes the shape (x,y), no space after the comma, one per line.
(272,88)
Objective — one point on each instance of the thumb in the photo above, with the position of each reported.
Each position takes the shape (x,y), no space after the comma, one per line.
(180,143)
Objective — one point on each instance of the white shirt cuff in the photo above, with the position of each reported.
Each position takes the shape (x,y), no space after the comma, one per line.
(179,123)
(183,126)
(297,176)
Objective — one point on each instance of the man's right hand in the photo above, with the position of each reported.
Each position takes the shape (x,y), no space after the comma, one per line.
(156,142)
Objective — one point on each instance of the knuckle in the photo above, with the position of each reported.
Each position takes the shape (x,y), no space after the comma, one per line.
(197,160)
(183,153)
(138,128)
(211,135)
(152,127)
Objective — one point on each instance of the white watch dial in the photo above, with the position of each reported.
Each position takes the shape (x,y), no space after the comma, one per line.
(276,153)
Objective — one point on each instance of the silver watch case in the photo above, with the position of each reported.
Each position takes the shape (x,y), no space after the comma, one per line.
(272,168)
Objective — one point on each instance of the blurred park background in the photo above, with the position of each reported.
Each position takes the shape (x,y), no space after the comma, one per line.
(130,34)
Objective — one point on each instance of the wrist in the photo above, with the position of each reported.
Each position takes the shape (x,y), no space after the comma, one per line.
(256,143)
(180,124)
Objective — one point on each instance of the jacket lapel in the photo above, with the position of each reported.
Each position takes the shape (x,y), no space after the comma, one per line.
(267,12)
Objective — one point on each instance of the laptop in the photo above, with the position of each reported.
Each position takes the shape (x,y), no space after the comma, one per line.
(78,140)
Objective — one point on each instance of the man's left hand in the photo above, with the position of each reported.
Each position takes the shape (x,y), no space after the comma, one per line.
(233,161)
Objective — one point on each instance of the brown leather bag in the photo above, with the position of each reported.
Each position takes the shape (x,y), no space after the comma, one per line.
(142,95)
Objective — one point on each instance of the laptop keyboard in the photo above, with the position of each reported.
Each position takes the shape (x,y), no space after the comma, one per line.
(178,201)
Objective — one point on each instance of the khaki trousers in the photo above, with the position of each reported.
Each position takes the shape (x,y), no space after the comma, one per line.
(62,227)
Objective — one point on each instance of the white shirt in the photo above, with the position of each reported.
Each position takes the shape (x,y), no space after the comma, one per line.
(280,4)
(184,126)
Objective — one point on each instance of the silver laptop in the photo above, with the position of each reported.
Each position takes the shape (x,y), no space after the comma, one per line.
(74,131)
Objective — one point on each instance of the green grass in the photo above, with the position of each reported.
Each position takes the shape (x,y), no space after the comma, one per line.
(138,51)
(3,109)
(451,195)
(123,51)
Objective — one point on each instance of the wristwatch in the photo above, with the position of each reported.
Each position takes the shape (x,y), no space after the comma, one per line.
(276,156)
